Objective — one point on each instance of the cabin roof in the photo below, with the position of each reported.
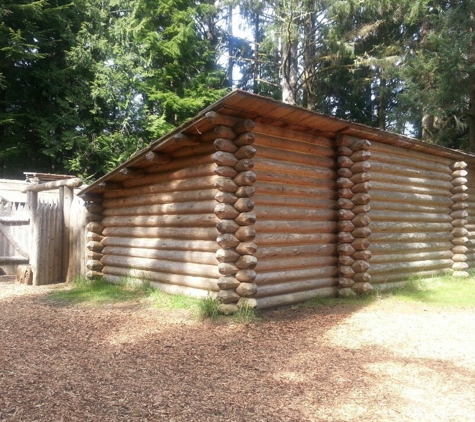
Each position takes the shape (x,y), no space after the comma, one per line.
(260,109)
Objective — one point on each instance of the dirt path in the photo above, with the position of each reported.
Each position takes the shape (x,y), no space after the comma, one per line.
(129,363)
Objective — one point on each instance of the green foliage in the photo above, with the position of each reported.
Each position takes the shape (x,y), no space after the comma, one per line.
(209,308)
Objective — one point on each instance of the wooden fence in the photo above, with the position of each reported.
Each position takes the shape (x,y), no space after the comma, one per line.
(48,235)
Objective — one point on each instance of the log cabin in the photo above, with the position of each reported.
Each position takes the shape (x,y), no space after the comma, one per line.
(259,203)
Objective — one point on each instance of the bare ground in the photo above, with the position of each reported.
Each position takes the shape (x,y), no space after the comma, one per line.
(129,362)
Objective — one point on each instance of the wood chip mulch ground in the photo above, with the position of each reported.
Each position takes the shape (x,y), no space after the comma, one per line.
(130,362)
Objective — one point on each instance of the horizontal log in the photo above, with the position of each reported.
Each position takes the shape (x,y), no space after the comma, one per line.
(94,274)
(246,138)
(246,233)
(344,172)
(244,205)
(459,214)
(246,248)
(459,222)
(228,282)
(296,202)
(343,150)
(288,156)
(95,227)
(295,179)
(460,173)
(459,189)
(226,197)
(346,226)
(360,167)
(92,217)
(345,215)
(290,135)
(344,162)
(360,244)
(246,275)
(244,165)
(221,119)
(361,220)
(225,171)
(94,265)
(72,183)
(345,237)
(344,282)
(407,237)
(94,246)
(345,193)
(166,187)
(458,181)
(362,288)
(295,145)
(460,240)
(459,197)
(364,187)
(295,239)
(409,157)
(227,255)
(345,204)
(265,212)
(161,198)
(191,151)
(459,232)
(246,218)
(92,255)
(345,249)
(458,165)
(180,208)
(295,297)
(171,267)
(225,211)
(244,126)
(312,250)
(409,189)
(272,188)
(179,163)
(129,173)
(346,271)
(432,180)
(284,276)
(410,198)
(460,249)
(225,184)
(360,156)
(295,226)
(198,233)
(197,257)
(246,289)
(162,244)
(406,257)
(94,236)
(227,240)
(361,232)
(227,226)
(394,216)
(382,206)
(360,178)
(246,151)
(300,169)
(294,287)
(459,258)
(361,199)
(364,255)
(219,131)
(412,247)
(246,262)
(346,260)
(401,226)
(298,262)
(343,182)
(227,296)
(226,268)
(225,145)
(362,209)
(169,283)
(362,277)
(460,266)
(459,206)
(245,178)
(414,266)
(190,220)
(221,158)
(245,192)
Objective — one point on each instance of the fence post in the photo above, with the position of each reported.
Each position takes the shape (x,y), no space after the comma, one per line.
(65,199)
(32,201)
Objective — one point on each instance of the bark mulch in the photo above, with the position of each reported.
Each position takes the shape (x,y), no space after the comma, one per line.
(130,362)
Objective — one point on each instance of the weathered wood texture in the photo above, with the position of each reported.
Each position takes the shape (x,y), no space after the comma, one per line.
(470,226)
(411,226)
(296,216)
(161,226)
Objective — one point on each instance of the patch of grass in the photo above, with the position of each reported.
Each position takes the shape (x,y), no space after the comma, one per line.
(209,308)
(365,299)
(458,292)
(160,299)
(98,291)
(246,315)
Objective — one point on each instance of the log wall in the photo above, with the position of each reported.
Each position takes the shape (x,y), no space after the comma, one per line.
(160,227)
(470,243)
(411,214)
(296,216)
